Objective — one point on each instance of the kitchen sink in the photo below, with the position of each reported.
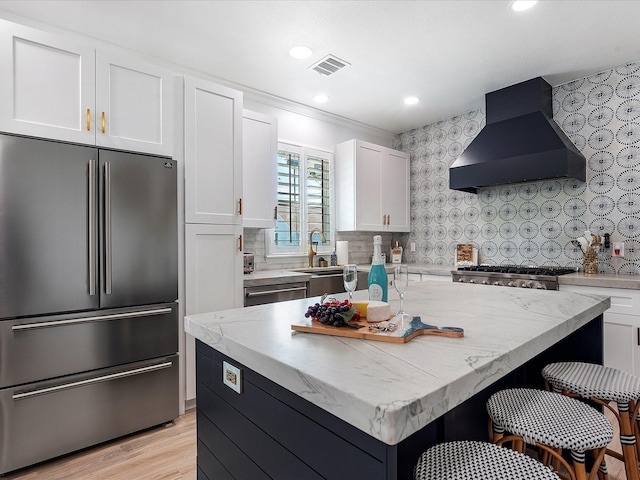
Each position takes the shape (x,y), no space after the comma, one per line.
(320,270)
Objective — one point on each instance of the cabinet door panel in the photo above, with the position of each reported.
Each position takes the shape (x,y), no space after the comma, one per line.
(396,196)
(259,152)
(135,98)
(620,343)
(213,278)
(213,153)
(46,85)
(368,188)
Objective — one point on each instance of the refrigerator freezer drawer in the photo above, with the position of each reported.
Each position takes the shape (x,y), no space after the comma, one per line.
(36,349)
(45,420)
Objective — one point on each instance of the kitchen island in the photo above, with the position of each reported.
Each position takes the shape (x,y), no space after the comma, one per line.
(316,406)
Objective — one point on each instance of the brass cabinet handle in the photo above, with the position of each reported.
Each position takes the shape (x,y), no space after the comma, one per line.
(102,122)
(88,119)
(388,219)
(240,243)
(275,212)
(240,206)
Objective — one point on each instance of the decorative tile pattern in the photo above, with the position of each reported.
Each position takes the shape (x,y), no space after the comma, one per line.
(533,223)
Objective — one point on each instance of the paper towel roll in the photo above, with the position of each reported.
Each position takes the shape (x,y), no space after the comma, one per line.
(342,251)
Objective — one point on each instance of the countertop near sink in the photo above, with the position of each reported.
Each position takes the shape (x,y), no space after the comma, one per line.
(274,277)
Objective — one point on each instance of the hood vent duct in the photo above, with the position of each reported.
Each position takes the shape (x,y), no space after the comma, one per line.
(520,142)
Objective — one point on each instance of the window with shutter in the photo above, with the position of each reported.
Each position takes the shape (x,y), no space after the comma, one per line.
(304,200)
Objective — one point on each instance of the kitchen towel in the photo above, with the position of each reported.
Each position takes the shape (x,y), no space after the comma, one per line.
(342,251)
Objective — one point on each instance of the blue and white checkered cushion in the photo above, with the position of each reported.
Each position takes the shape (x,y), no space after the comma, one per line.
(592,380)
(550,418)
(478,461)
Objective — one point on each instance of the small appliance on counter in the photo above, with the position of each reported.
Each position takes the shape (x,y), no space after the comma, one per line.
(248,262)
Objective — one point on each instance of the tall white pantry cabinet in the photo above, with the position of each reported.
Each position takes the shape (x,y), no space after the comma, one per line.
(213,204)
(53,87)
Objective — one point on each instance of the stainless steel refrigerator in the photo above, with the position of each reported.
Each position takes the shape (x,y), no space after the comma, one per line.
(88,289)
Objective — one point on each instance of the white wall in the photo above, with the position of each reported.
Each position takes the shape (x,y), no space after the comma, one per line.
(313,128)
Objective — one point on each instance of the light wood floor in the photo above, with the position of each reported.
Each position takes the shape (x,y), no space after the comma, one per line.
(162,453)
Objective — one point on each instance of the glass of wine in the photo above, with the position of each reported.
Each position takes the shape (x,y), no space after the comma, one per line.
(350,277)
(400,283)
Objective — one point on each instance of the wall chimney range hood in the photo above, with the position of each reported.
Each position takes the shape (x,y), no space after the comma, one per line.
(520,142)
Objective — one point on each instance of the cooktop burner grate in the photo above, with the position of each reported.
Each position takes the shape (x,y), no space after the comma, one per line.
(519,269)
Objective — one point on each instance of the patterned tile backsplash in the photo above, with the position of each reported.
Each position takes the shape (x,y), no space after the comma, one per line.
(534,223)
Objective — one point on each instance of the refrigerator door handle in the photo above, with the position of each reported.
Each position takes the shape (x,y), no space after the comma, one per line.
(107,228)
(96,318)
(103,378)
(92,227)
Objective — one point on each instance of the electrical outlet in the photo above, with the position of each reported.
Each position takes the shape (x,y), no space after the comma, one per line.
(618,249)
(412,246)
(232,377)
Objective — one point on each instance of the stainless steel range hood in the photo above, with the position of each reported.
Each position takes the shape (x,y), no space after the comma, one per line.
(520,142)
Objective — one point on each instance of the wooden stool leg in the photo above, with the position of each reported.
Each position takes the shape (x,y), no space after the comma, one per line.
(635,421)
(598,457)
(628,442)
(578,465)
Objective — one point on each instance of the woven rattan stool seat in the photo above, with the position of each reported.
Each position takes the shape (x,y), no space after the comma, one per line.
(592,380)
(604,385)
(478,461)
(550,418)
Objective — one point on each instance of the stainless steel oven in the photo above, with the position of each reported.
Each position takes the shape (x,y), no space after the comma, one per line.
(262,294)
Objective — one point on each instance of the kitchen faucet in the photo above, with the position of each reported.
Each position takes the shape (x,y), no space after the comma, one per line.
(311,252)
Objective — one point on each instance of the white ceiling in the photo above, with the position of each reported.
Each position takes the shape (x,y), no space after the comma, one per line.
(448,53)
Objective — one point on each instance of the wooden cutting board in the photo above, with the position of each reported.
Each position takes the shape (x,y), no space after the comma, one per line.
(412,330)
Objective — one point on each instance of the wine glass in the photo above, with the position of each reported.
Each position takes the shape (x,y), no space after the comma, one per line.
(350,277)
(400,283)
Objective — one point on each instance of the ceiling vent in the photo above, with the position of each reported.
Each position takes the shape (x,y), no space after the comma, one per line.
(329,65)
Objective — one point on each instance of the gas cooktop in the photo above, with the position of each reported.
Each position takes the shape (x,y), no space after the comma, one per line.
(524,276)
(519,269)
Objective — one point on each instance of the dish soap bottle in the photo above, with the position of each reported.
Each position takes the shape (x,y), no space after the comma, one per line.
(378,281)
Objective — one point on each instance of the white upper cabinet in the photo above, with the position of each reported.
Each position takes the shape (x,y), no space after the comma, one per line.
(213,153)
(372,188)
(47,85)
(52,87)
(259,152)
(133,104)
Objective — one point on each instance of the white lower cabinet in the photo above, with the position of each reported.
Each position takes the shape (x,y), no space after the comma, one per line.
(621,326)
(213,278)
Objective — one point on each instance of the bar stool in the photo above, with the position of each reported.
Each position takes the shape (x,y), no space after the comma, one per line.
(467,460)
(603,385)
(552,422)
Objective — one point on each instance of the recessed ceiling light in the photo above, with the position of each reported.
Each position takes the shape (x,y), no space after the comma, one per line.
(321,98)
(300,51)
(521,5)
(411,100)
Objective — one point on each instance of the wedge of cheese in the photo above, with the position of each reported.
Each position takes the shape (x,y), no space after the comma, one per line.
(374,311)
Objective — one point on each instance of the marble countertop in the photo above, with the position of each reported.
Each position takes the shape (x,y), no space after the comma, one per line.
(274,277)
(392,390)
(607,280)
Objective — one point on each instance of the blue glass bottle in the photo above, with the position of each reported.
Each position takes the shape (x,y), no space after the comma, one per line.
(378,281)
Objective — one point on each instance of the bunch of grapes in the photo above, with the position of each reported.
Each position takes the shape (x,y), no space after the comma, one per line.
(334,313)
